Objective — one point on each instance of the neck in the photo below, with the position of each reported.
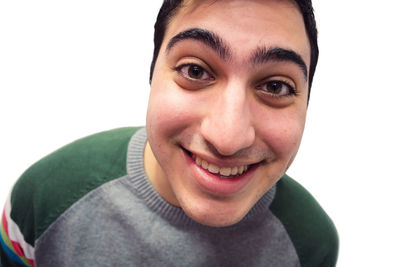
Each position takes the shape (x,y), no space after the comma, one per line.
(157,177)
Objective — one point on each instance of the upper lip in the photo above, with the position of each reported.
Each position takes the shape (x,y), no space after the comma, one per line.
(224,163)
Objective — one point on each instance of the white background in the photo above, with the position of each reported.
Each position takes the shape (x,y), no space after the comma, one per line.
(72,68)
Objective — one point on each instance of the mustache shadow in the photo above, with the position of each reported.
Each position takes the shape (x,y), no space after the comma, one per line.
(254,153)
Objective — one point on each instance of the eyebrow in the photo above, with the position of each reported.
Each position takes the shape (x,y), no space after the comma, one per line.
(262,55)
(206,37)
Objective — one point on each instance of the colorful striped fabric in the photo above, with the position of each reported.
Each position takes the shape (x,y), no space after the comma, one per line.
(12,240)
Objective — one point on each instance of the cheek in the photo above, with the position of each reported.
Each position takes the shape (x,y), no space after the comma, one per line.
(170,110)
(282,131)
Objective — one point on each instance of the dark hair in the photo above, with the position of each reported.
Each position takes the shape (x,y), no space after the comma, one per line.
(170,7)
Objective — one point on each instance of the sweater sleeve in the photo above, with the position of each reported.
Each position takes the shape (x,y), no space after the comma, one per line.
(312,231)
(14,249)
(53,184)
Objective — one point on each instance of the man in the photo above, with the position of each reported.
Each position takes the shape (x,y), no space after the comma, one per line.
(204,183)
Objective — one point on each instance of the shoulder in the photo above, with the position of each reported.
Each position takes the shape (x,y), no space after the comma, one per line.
(53,184)
(310,228)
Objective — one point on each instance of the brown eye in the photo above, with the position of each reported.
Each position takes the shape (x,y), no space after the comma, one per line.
(194,72)
(277,88)
(274,87)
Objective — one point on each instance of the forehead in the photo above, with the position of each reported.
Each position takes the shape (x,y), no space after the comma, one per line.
(250,23)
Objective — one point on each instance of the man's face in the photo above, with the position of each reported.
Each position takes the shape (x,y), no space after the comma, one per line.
(227,105)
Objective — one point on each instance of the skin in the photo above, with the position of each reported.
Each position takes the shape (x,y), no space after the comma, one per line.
(227,111)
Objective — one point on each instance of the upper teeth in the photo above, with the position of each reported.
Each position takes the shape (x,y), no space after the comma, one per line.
(224,171)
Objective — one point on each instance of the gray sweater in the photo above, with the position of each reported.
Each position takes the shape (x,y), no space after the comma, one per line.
(91,204)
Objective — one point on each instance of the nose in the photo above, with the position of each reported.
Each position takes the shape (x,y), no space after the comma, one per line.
(228,124)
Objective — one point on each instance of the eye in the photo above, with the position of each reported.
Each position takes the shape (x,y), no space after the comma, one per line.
(277,88)
(194,72)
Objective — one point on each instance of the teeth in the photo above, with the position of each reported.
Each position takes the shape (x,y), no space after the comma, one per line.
(234,170)
(224,171)
(204,164)
(241,169)
(198,161)
(212,168)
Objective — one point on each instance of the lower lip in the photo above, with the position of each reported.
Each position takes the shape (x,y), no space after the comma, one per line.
(214,184)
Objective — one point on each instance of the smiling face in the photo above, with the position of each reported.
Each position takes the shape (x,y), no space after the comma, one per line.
(227,106)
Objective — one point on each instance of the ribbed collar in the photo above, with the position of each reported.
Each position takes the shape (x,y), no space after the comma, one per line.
(155,202)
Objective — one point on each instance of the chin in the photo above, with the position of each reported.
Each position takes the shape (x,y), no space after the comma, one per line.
(214,212)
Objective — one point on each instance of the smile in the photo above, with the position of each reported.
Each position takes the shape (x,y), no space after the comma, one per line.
(223,171)
(220,177)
